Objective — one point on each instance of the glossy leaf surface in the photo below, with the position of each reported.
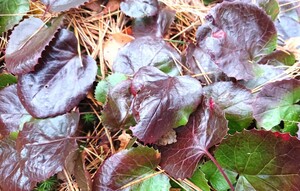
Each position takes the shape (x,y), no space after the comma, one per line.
(13,11)
(201,65)
(235,100)
(27,42)
(12,112)
(139,8)
(264,160)
(11,176)
(117,113)
(234,45)
(60,81)
(277,102)
(105,85)
(155,93)
(44,145)
(207,126)
(124,167)
(62,5)
(147,51)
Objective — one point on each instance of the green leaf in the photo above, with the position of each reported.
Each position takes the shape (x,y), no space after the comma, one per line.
(14,135)
(105,85)
(207,2)
(199,180)
(264,160)
(47,185)
(158,182)
(7,79)
(214,176)
(12,12)
(277,102)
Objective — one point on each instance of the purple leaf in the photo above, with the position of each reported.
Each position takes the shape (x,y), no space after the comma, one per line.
(271,7)
(139,8)
(27,42)
(158,24)
(60,81)
(12,112)
(11,176)
(200,64)
(124,167)
(62,5)
(44,145)
(277,102)
(235,35)
(147,51)
(236,102)
(207,126)
(162,102)
(117,112)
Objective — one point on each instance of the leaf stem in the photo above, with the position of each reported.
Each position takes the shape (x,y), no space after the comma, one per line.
(219,168)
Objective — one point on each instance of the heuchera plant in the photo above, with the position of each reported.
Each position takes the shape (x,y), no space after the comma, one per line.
(231,127)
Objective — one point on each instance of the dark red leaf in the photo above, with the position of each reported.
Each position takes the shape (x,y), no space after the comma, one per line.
(117,112)
(236,102)
(147,51)
(162,102)
(44,145)
(124,167)
(60,81)
(63,5)
(206,127)
(247,34)
(12,112)
(139,8)
(12,178)
(27,42)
